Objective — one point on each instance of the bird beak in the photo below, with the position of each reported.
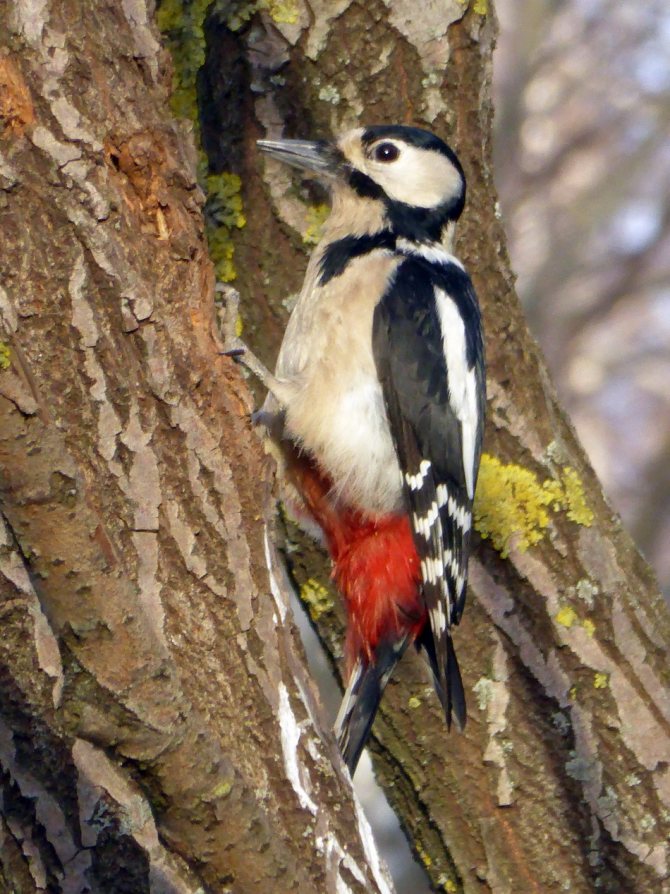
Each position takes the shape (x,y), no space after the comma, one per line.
(319,156)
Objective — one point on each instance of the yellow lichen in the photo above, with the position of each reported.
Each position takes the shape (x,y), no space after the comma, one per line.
(425,858)
(413,702)
(316,597)
(575,502)
(283,11)
(481,7)
(5,356)
(222,790)
(573,693)
(316,217)
(600,681)
(566,617)
(589,627)
(449,886)
(512,505)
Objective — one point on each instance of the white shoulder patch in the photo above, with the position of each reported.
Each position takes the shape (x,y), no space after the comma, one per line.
(434,253)
(461,380)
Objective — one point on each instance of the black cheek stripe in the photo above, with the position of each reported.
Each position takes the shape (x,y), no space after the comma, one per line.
(365,186)
(340,253)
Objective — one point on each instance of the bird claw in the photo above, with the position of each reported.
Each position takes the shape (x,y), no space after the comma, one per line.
(233,346)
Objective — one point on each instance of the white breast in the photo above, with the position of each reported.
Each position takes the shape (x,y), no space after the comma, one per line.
(337,411)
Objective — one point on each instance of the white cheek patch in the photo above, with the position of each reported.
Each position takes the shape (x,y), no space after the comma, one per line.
(461,381)
(423,178)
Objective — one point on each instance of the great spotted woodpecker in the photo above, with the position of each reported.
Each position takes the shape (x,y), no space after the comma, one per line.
(378,402)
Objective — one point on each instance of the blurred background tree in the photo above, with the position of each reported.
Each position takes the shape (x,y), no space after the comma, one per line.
(582,156)
(582,165)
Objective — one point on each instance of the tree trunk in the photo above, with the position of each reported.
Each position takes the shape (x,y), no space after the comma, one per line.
(158,728)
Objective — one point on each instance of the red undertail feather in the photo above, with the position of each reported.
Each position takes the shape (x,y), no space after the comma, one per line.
(375,566)
(378,573)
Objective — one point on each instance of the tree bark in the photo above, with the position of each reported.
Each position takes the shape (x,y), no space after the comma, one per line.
(562,779)
(158,727)
(158,731)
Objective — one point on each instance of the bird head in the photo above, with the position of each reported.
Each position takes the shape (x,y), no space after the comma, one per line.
(410,176)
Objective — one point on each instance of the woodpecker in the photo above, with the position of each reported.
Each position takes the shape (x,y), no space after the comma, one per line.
(377,403)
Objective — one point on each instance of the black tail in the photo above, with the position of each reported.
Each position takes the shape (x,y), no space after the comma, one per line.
(361,700)
(451,693)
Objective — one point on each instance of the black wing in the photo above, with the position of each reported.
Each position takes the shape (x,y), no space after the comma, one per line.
(428,350)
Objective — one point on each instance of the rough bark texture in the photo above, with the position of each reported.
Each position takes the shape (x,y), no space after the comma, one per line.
(562,779)
(158,730)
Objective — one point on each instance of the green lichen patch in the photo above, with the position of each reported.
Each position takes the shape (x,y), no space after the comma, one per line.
(483,690)
(586,591)
(316,597)
(283,12)
(224,213)
(513,506)
(224,200)
(182,23)
(5,355)
(222,252)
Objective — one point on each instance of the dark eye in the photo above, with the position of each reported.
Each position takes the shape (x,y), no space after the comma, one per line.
(386,152)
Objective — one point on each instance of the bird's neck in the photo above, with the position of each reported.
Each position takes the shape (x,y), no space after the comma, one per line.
(355,216)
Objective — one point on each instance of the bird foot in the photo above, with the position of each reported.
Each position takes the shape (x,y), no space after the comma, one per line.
(233,345)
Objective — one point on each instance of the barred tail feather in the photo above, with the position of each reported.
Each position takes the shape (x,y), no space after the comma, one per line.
(451,693)
(361,700)
(455,691)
